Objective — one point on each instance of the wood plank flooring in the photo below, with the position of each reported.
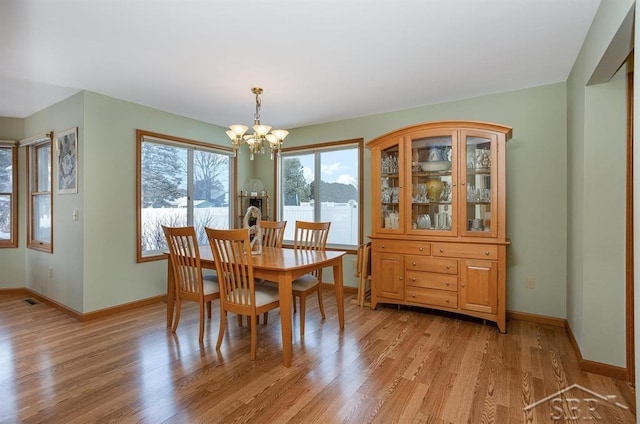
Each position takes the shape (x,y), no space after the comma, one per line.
(388,366)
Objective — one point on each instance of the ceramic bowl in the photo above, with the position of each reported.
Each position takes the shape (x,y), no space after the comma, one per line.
(440,165)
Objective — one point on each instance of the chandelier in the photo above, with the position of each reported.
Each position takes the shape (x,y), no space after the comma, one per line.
(261,135)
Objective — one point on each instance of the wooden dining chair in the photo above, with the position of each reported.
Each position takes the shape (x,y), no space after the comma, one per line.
(187,274)
(272,233)
(363,273)
(309,236)
(239,293)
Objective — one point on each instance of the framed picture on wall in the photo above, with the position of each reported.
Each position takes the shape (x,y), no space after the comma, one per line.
(67,154)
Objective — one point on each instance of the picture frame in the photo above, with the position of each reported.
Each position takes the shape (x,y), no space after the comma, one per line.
(67,161)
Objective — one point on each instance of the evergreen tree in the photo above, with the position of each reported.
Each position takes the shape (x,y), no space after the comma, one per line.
(334,192)
(161,174)
(295,185)
(6,170)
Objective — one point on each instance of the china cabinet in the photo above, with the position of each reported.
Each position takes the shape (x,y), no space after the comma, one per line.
(438,210)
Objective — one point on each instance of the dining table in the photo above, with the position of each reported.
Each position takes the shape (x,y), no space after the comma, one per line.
(280,265)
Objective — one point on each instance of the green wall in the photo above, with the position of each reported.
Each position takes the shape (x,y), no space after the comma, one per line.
(536,180)
(12,267)
(111,274)
(596,137)
(59,276)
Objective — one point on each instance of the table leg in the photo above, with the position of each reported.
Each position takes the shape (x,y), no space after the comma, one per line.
(286,317)
(171,293)
(337,279)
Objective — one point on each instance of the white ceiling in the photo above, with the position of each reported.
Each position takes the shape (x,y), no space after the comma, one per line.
(317,60)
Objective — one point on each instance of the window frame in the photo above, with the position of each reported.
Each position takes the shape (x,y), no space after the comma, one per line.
(191,145)
(33,145)
(316,150)
(12,242)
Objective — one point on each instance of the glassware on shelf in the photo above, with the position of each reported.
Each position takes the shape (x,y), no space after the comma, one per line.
(390,165)
(478,195)
(391,220)
(483,159)
(443,221)
(446,192)
(395,194)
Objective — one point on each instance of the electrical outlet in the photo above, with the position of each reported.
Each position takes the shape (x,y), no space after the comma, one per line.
(531,282)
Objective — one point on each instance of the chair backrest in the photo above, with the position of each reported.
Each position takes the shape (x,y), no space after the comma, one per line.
(363,268)
(311,235)
(272,232)
(185,260)
(234,264)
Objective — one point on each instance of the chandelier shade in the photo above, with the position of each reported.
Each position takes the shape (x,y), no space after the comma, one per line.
(261,133)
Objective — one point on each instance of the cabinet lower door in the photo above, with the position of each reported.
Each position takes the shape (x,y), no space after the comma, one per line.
(388,277)
(479,286)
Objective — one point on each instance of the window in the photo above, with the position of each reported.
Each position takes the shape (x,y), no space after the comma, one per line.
(8,193)
(180,183)
(322,183)
(40,207)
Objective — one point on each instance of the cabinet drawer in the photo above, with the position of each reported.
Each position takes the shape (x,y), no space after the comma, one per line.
(442,298)
(429,264)
(461,250)
(408,247)
(429,280)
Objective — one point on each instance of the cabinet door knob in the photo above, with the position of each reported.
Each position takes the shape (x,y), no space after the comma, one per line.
(462,285)
(446,283)
(448,267)
(486,253)
(383,246)
(463,183)
(413,279)
(446,300)
(454,184)
(401,278)
(413,295)
(413,263)
(441,250)
(421,249)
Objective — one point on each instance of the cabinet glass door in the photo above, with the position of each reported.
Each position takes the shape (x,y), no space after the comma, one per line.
(390,188)
(479,185)
(432,179)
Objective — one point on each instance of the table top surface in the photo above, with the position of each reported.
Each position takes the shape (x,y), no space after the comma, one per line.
(279,258)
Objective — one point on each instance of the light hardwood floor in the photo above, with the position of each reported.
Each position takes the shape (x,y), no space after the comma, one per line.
(388,366)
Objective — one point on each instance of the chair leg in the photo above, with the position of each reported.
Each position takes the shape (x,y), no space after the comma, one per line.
(320,302)
(303,307)
(294,304)
(239,320)
(223,324)
(254,337)
(266,318)
(176,318)
(201,335)
(209,309)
